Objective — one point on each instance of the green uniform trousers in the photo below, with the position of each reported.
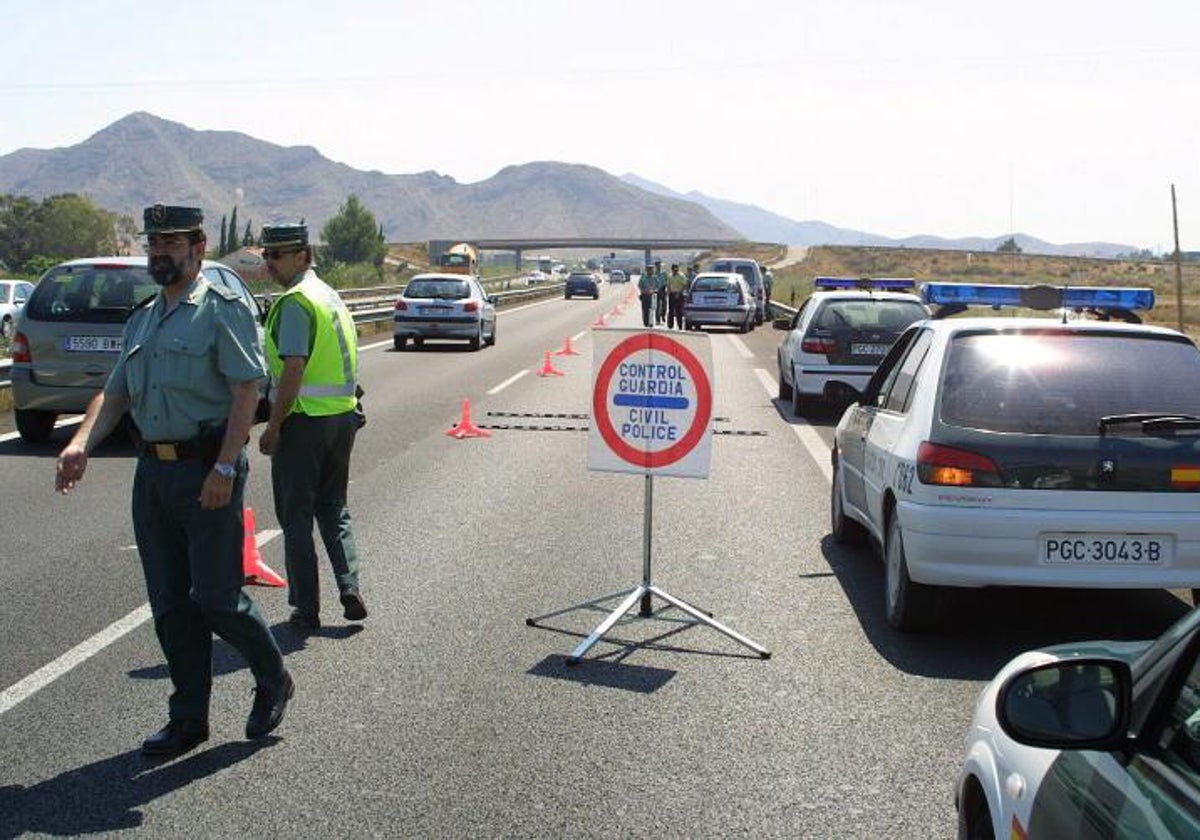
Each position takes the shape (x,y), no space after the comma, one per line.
(192,560)
(310,471)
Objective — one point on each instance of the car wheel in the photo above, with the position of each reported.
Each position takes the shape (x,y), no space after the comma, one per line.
(785,390)
(799,404)
(844,529)
(492,338)
(35,426)
(975,820)
(908,604)
(596,296)
(476,340)
(566,297)
(400,343)
(418,342)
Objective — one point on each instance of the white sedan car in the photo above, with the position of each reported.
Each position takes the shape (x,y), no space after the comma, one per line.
(839,336)
(1024,452)
(1094,739)
(13,294)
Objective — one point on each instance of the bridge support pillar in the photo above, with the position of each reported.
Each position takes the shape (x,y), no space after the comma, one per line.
(646,261)
(519,262)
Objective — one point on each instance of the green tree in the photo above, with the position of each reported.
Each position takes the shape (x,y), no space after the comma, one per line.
(57,228)
(1009,246)
(221,249)
(231,244)
(248,236)
(353,235)
(17,216)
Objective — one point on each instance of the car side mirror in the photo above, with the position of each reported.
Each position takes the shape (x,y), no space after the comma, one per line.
(1076,704)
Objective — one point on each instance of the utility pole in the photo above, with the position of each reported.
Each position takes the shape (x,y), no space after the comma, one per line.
(1178,262)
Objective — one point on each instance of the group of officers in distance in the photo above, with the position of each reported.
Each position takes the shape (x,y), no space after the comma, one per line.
(189,375)
(662,295)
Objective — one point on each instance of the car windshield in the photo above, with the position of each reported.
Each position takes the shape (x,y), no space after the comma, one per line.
(97,293)
(1063,382)
(866,314)
(712,284)
(440,289)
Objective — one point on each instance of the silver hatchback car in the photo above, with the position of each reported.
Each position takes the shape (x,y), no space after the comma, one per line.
(69,334)
(445,306)
(721,300)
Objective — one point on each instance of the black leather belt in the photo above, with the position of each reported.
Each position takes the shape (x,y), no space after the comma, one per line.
(181,450)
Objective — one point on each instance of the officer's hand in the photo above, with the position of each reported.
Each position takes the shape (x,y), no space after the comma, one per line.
(216,492)
(268,441)
(72,462)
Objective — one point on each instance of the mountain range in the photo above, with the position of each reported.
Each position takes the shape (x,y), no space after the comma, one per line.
(141,159)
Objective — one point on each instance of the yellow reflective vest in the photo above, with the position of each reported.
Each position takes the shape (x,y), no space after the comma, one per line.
(331,374)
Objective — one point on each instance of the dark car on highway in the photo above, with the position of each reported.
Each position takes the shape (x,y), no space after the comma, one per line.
(581,283)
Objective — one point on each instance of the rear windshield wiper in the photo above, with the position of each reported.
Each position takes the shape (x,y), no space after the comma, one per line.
(1151,422)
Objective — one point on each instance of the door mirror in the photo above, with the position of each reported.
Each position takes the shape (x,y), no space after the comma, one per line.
(1078,703)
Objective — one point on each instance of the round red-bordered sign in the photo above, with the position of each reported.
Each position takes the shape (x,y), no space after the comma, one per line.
(673,453)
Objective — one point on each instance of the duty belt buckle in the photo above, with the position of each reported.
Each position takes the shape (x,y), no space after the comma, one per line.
(165,452)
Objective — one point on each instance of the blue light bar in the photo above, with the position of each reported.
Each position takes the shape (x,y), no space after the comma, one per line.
(1037,297)
(877,283)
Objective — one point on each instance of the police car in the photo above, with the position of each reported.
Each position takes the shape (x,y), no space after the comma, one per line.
(1099,739)
(1004,451)
(838,337)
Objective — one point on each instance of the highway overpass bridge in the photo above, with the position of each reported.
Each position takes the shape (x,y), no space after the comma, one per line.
(603,243)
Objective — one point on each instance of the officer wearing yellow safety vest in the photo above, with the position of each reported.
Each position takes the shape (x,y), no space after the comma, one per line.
(312,356)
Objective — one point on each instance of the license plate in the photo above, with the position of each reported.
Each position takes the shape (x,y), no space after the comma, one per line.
(434,310)
(868,349)
(92,344)
(1107,549)
(720,300)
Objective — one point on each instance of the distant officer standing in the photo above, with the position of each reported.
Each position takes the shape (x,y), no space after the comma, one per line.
(660,293)
(189,375)
(768,284)
(677,284)
(312,354)
(647,285)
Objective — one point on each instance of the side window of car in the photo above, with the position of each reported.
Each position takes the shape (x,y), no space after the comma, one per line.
(800,313)
(901,387)
(881,381)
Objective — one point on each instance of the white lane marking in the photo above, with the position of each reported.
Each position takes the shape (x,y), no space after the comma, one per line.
(42,677)
(72,420)
(580,335)
(387,343)
(745,351)
(507,382)
(808,436)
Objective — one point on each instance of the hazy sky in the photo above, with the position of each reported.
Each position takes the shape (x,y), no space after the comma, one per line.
(1065,120)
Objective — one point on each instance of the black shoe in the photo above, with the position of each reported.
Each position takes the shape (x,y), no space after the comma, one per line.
(355,609)
(269,706)
(178,736)
(308,621)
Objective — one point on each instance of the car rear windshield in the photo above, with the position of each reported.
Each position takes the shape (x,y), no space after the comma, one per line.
(712,284)
(586,277)
(1063,382)
(744,269)
(879,315)
(99,294)
(441,289)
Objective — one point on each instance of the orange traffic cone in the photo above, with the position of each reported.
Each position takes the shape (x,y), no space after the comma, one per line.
(254,570)
(600,322)
(464,428)
(567,349)
(548,368)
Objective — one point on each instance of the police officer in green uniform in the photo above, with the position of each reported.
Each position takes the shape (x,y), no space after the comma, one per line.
(660,294)
(677,285)
(188,375)
(312,355)
(647,285)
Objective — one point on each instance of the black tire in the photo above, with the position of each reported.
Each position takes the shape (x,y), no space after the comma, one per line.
(799,403)
(785,390)
(33,425)
(400,343)
(418,342)
(907,604)
(975,820)
(566,297)
(844,529)
(476,341)
(492,338)
(596,296)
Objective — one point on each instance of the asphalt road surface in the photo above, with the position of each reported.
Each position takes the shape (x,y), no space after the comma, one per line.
(445,714)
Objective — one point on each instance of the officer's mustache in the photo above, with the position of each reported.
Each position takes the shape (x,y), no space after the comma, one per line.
(165,270)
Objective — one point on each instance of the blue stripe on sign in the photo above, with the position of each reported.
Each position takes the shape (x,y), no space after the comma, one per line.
(640,401)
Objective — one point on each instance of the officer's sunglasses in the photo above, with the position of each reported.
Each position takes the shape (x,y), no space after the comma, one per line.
(277,253)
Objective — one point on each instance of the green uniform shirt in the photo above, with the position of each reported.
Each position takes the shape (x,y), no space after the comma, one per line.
(647,283)
(177,368)
(295,328)
(676,283)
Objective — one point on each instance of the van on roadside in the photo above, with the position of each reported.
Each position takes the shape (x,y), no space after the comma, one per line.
(750,271)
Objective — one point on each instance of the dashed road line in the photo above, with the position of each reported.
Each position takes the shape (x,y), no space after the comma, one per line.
(743,350)
(507,382)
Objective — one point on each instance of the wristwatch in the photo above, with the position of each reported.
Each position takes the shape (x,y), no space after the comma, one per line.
(225,470)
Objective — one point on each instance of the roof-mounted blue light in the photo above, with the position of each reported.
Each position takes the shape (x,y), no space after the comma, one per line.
(1037,297)
(876,283)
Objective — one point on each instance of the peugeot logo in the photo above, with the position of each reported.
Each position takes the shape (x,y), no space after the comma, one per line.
(1108,468)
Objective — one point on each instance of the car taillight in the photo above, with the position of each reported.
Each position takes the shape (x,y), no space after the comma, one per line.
(949,465)
(20,349)
(818,345)
(401,305)
(1183,477)
(471,306)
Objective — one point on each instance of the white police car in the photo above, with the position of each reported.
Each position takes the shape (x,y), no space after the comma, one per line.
(838,337)
(1025,451)
(1098,739)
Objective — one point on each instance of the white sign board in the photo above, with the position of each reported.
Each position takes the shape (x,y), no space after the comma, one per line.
(652,403)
